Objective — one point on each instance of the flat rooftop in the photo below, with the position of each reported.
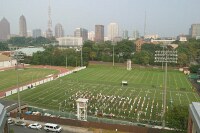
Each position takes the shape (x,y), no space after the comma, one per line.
(195,114)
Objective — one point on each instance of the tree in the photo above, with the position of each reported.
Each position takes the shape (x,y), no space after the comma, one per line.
(142,57)
(3,46)
(194,68)
(182,59)
(177,117)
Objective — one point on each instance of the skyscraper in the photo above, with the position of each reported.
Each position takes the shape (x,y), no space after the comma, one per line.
(99,33)
(81,32)
(59,32)
(125,34)
(37,33)
(194,30)
(22,26)
(49,32)
(91,35)
(113,31)
(136,35)
(4,29)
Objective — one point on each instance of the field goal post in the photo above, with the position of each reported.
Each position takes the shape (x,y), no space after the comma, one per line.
(129,64)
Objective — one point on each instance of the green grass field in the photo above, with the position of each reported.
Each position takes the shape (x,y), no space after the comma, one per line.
(9,77)
(140,101)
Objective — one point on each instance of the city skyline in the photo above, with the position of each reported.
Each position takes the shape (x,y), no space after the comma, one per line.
(166,18)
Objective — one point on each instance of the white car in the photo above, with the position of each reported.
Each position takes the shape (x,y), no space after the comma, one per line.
(10,121)
(52,127)
(35,126)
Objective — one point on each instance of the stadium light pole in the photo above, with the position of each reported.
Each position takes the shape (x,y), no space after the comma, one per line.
(19,56)
(163,50)
(81,56)
(165,56)
(113,53)
(66,60)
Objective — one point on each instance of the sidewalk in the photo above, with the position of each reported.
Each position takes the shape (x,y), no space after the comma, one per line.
(66,128)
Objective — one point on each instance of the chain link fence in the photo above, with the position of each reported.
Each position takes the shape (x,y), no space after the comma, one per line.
(70,115)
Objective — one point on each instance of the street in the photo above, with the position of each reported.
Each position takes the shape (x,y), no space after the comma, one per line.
(20,129)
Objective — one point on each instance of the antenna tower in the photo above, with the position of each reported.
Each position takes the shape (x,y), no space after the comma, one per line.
(145,23)
(49,30)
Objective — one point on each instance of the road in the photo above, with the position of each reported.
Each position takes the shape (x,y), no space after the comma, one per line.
(20,129)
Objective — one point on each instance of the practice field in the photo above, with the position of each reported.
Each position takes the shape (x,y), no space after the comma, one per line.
(9,77)
(140,100)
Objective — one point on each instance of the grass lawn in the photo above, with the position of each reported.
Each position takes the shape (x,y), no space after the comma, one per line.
(9,77)
(140,100)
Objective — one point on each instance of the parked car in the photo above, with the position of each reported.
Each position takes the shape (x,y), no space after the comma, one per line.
(35,126)
(52,127)
(20,123)
(10,121)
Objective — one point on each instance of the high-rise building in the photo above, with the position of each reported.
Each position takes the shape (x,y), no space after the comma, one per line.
(113,31)
(37,33)
(136,35)
(194,30)
(70,41)
(4,29)
(91,35)
(125,34)
(81,32)
(99,33)
(153,36)
(22,26)
(59,32)
(29,33)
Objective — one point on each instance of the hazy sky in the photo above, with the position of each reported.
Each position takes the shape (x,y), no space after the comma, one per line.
(164,17)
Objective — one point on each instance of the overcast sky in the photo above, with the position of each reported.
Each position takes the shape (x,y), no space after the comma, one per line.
(164,17)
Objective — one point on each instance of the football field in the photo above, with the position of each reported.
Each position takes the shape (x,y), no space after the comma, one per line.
(141,100)
(9,77)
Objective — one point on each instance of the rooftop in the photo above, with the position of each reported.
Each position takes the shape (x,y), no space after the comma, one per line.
(195,114)
(29,51)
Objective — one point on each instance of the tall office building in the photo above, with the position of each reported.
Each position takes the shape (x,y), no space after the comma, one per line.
(194,30)
(99,33)
(136,35)
(91,35)
(22,26)
(113,31)
(36,33)
(59,32)
(125,34)
(81,32)
(4,29)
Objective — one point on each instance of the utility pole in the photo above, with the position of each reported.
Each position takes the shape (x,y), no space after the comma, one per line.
(167,56)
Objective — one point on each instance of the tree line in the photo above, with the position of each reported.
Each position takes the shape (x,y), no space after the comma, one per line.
(188,52)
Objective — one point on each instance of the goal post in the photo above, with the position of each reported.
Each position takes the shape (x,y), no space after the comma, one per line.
(129,64)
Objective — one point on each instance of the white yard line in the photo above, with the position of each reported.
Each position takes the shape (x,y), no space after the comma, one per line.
(175,82)
(171,96)
(188,98)
(195,97)
(179,97)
